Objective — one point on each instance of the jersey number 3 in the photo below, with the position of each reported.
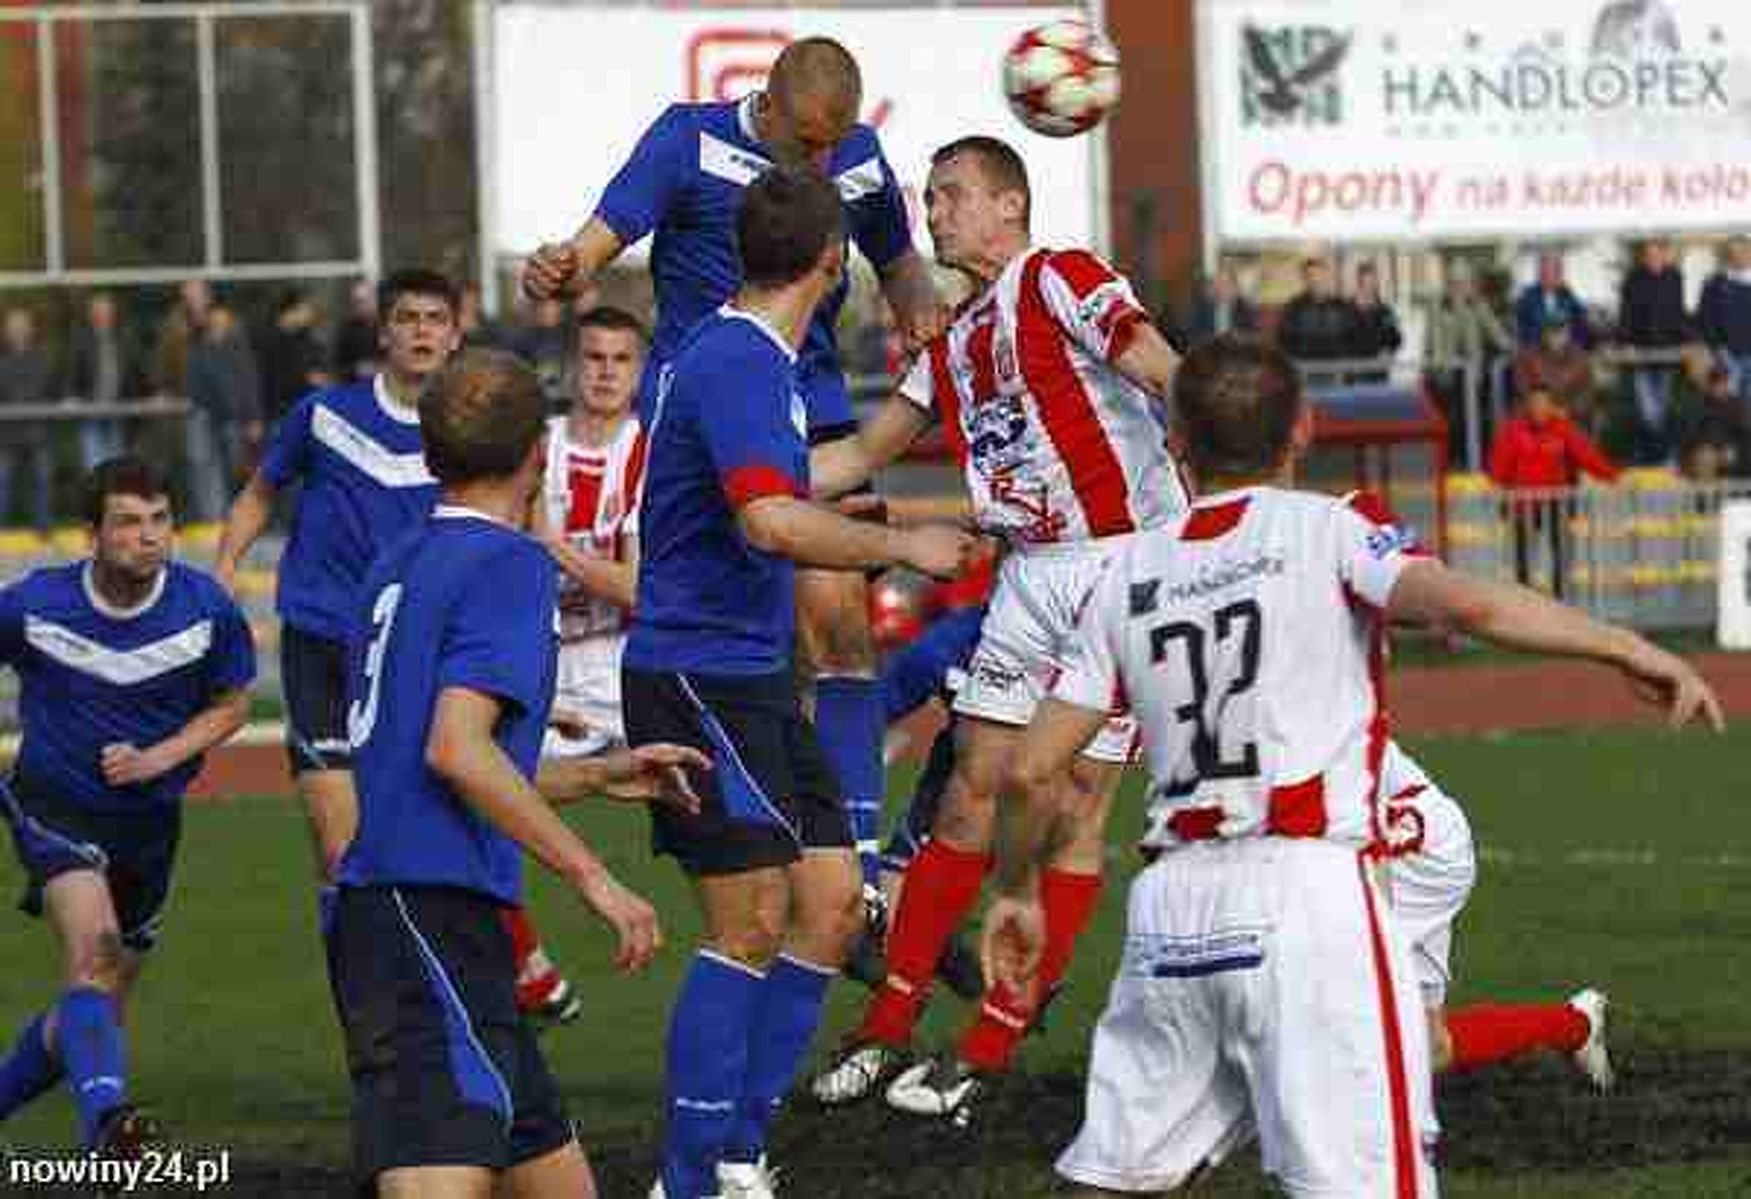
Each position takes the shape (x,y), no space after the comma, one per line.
(1241,620)
(362,714)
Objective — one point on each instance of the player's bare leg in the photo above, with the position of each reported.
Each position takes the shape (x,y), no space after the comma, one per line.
(562,1174)
(825,917)
(942,885)
(436,1182)
(1070,889)
(84,1030)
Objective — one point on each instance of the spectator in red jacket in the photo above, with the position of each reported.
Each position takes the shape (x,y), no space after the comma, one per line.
(1539,449)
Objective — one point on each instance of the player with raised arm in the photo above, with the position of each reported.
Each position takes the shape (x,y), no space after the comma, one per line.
(131,666)
(355,450)
(1047,383)
(684,182)
(1263,986)
(450,678)
(708,663)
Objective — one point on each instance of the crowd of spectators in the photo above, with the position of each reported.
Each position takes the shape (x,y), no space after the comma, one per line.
(237,376)
(1656,381)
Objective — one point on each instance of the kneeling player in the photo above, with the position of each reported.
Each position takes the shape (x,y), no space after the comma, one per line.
(131,667)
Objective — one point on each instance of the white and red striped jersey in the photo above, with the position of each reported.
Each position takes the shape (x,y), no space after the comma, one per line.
(1056,443)
(590,496)
(1247,639)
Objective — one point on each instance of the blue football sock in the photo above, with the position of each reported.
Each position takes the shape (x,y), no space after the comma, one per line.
(790,1011)
(31,1069)
(327,902)
(849,717)
(707,1063)
(89,1039)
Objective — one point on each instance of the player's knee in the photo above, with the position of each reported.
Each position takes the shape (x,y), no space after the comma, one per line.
(834,623)
(101,962)
(753,942)
(969,812)
(832,921)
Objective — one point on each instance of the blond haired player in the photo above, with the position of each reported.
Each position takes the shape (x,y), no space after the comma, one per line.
(1263,987)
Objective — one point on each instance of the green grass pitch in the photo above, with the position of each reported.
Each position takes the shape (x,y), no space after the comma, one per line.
(1621,859)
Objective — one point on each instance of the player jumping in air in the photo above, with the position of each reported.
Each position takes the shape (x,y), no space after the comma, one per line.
(1263,989)
(131,666)
(1046,383)
(684,182)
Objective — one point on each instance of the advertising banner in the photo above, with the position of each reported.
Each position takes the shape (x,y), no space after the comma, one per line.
(1381,119)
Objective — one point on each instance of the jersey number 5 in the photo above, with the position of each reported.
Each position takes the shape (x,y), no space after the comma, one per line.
(362,714)
(1241,619)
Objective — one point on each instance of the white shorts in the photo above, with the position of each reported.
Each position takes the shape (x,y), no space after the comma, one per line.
(1033,611)
(1261,989)
(1429,878)
(587,691)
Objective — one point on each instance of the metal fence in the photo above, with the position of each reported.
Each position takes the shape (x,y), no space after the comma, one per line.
(1644,552)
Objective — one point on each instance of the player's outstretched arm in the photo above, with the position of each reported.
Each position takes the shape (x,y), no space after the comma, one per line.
(812,535)
(249,515)
(650,773)
(460,749)
(558,267)
(124,764)
(1032,825)
(847,464)
(1519,618)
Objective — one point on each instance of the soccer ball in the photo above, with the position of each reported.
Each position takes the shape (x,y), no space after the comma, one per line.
(1061,79)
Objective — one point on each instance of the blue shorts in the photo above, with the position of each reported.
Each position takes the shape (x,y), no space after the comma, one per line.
(313,679)
(823,389)
(134,851)
(445,1070)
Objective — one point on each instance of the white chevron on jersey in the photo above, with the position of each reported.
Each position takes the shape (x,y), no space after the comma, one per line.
(121,667)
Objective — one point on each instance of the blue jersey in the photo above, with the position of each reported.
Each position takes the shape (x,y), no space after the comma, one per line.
(363,467)
(728,428)
(91,676)
(461,601)
(684,181)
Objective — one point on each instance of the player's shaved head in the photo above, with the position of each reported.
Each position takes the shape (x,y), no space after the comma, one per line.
(480,416)
(817,71)
(1236,402)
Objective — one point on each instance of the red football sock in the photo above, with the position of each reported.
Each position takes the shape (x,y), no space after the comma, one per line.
(1495,1032)
(1069,900)
(537,977)
(941,885)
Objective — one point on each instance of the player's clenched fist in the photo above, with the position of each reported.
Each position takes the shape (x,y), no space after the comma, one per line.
(633,920)
(938,550)
(1013,940)
(548,270)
